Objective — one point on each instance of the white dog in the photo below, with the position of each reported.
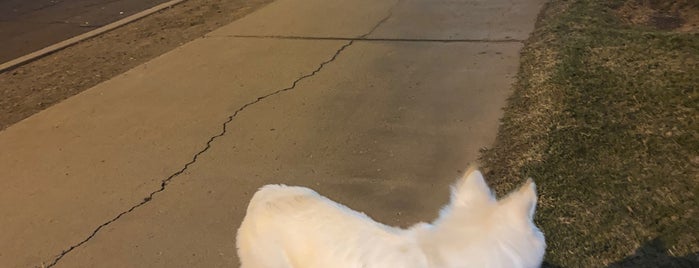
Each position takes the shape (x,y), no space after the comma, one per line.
(296,227)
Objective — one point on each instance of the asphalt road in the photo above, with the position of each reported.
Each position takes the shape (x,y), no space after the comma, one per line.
(30,25)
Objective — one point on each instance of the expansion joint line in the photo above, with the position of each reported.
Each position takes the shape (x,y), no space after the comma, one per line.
(366,39)
(224,130)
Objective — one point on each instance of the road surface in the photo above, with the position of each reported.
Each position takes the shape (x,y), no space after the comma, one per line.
(29,25)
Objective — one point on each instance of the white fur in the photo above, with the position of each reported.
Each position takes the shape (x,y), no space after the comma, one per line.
(288,226)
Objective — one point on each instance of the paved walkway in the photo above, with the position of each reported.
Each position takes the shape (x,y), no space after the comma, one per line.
(377,104)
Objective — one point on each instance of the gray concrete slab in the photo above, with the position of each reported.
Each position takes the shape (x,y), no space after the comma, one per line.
(311,18)
(80,163)
(382,126)
(410,19)
(461,20)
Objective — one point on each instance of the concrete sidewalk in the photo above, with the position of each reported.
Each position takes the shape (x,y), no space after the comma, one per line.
(377,104)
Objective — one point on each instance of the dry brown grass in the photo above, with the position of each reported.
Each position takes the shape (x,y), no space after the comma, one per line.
(604,118)
(680,15)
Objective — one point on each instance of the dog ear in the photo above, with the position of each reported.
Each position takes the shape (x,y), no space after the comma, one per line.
(522,202)
(471,189)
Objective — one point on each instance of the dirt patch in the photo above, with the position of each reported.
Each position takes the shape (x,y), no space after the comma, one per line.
(33,87)
(680,16)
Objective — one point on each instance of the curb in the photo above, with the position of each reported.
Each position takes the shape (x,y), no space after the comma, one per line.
(74,40)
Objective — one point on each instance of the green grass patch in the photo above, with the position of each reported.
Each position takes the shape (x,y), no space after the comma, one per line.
(604,118)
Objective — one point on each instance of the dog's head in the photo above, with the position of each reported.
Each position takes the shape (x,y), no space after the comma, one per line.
(490,232)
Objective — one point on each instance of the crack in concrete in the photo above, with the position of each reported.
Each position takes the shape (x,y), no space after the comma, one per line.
(224,130)
(293,37)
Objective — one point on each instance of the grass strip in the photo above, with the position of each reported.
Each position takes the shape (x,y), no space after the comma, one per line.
(604,118)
